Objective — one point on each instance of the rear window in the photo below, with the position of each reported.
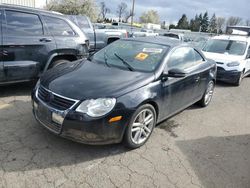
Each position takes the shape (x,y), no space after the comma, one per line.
(19,23)
(225,46)
(58,27)
(80,21)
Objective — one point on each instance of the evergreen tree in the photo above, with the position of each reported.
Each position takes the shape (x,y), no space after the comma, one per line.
(213,24)
(195,23)
(205,22)
(183,22)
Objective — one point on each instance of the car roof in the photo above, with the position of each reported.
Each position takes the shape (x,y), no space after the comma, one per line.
(166,41)
(233,37)
(30,9)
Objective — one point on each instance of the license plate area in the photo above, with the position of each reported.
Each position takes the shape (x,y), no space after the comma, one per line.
(44,113)
(44,116)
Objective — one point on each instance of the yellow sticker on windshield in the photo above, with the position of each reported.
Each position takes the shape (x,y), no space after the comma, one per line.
(141,56)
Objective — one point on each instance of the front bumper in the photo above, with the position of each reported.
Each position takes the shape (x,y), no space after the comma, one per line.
(79,127)
(227,76)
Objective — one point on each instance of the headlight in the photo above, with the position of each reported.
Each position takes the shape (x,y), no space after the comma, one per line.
(97,107)
(233,64)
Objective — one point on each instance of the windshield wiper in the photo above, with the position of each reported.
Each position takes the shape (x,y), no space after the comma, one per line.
(106,59)
(125,62)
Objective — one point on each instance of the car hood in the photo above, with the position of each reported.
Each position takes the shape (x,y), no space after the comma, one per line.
(87,80)
(223,58)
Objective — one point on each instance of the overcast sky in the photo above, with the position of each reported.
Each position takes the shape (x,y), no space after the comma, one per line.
(171,10)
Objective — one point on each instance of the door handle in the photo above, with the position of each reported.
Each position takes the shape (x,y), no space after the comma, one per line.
(45,40)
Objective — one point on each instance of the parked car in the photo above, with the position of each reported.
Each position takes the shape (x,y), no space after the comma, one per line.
(123,91)
(99,34)
(144,33)
(34,40)
(232,55)
(177,36)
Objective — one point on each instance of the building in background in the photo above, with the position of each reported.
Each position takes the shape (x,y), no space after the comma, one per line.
(29,3)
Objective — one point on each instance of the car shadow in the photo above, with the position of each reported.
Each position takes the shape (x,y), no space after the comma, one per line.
(17,89)
(219,161)
(25,145)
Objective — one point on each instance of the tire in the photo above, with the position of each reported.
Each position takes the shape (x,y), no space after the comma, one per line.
(59,62)
(208,95)
(140,127)
(239,80)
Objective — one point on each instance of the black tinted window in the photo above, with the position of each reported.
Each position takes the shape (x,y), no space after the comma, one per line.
(58,27)
(19,23)
(182,58)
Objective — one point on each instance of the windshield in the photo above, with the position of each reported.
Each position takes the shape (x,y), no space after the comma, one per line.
(225,46)
(132,55)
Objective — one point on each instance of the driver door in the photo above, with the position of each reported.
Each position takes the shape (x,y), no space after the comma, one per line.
(179,92)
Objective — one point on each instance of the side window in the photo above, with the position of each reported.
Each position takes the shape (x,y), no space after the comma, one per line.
(58,27)
(198,58)
(24,24)
(182,58)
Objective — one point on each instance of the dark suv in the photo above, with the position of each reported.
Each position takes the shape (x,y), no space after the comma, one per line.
(34,40)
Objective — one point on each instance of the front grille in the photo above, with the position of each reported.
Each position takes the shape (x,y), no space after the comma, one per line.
(54,100)
(220,69)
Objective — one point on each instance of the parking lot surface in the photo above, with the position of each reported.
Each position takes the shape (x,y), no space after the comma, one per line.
(200,147)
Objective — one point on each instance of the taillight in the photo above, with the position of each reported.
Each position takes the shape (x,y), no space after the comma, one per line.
(126,35)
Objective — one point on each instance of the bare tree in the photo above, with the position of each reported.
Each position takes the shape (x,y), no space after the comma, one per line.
(128,15)
(220,22)
(247,22)
(121,10)
(86,7)
(231,21)
(104,10)
(150,16)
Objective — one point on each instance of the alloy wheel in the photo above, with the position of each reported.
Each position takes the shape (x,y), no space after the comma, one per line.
(142,126)
(209,92)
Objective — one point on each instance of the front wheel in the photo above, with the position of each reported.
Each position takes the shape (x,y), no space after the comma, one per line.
(140,127)
(239,80)
(208,95)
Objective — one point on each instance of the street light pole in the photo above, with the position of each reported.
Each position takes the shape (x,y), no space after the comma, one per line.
(133,10)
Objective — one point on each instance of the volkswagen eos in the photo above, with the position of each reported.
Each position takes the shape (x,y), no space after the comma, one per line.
(121,92)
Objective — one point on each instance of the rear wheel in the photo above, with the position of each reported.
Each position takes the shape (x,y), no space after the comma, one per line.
(207,97)
(59,62)
(141,126)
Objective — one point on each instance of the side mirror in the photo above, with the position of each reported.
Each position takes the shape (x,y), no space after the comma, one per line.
(248,55)
(175,73)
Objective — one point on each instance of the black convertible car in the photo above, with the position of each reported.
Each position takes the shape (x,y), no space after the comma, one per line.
(123,91)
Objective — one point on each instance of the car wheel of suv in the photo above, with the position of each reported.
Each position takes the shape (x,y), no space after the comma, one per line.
(238,82)
(140,127)
(207,97)
(59,62)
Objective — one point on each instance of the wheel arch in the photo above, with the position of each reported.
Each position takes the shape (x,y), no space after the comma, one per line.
(152,103)
(57,56)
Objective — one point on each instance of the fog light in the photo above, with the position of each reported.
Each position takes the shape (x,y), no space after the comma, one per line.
(114,119)
(57,118)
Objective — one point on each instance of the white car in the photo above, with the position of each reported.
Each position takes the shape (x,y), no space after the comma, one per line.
(145,33)
(232,55)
